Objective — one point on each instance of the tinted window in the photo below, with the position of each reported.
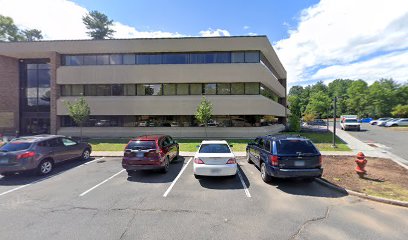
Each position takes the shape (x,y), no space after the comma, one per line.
(214,148)
(129,59)
(267,146)
(90,60)
(15,146)
(210,88)
(350,120)
(252,57)
(102,59)
(68,142)
(196,89)
(55,142)
(117,90)
(223,88)
(175,58)
(169,89)
(251,88)
(237,88)
(295,146)
(182,88)
(166,142)
(130,90)
(115,59)
(137,145)
(237,57)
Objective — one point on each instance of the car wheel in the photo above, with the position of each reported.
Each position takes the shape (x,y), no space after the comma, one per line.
(45,167)
(166,165)
(178,154)
(264,175)
(86,154)
(248,157)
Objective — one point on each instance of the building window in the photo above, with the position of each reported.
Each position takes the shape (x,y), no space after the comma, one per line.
(129,59)
(77,90)
(176,58)
(223,88)
(66,90)
(238,57)
(130,89)
(117,90)
(237,88)
(196,89)
(102,59)
(182,89)
(90,60)
(210,88)
(251,88)
(149,89)
(252,57)
(169,89)
(115,59)
(142,59)
(75,60)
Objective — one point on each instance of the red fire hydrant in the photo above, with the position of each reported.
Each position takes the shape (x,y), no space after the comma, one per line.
(361,163)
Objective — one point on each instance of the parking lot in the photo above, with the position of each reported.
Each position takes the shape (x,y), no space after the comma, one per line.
(97,200)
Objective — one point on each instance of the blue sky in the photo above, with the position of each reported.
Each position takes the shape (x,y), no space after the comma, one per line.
(316,40)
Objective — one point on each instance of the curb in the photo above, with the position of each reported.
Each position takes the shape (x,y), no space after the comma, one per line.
(361,195)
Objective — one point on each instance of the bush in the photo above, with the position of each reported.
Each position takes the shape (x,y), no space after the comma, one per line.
(294,123)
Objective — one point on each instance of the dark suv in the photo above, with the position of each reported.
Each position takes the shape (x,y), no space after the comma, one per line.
(150,153)
(285,156)
(40,153)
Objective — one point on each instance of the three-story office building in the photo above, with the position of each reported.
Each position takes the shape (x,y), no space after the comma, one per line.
(143,86)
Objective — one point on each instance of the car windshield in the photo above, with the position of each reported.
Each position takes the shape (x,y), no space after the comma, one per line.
(15,146)
(295,147)
(214,148)
(138,145)
(351,120)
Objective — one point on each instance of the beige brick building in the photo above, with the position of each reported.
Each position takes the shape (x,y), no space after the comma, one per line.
(143,86)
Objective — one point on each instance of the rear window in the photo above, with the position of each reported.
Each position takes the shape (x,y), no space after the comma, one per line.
(15,146)
(350,120)
(214,148)
(295,146)
(139,145)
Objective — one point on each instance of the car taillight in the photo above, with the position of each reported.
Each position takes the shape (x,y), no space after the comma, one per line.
(198,161)
(26,155)
(231,161)
(274,160)
(320,160)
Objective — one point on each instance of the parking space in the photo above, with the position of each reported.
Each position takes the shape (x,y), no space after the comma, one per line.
(98,200)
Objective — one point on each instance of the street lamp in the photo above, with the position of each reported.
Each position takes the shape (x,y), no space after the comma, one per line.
(334,120)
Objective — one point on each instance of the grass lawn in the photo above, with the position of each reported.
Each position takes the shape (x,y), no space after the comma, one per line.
(323,141)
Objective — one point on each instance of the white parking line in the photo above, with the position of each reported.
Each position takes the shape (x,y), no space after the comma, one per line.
(42,179)
(175,180)
(99,184)
(243,184)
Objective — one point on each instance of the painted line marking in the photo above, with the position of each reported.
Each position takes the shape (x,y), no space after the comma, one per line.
(93,161)
(42,179)
(243,184)
(175,180)
(99,184)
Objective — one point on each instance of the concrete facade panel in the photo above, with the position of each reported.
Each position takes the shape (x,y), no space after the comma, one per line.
(9,94)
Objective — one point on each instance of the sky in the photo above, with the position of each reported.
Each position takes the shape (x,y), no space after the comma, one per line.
(316,40)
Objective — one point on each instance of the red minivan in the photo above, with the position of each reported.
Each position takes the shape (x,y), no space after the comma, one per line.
(152,152)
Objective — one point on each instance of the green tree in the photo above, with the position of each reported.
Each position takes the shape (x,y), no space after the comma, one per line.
(32,35)
(319,104)
(8,30)
(382,97)
(338,88)
(295,113)
(400,111)
(204,113)
(319,86)
(79,111)
(402,94)
(358,100)
(98,24)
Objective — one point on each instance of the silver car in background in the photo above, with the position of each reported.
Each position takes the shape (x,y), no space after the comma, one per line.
(39,153)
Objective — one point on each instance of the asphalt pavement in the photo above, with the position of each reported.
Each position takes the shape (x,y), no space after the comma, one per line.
(98,200)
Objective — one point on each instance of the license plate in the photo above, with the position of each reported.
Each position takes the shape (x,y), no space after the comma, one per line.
(139,154)
(299,163)
(215,170)
(3,161)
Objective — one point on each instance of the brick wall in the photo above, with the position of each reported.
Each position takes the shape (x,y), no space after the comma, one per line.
(9,95)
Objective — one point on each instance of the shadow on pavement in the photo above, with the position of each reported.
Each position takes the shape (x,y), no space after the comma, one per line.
(223,183)
(30,176)
(301,187)
(152,176)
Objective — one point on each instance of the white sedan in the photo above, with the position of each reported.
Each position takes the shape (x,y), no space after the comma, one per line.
(214,158)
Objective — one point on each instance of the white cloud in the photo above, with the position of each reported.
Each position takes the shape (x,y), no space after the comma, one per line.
(246,27)
(252,34)
(338,39)
(214,33)
(62,19)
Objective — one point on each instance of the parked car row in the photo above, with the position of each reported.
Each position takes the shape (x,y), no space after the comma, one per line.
(278,156)
(390,122)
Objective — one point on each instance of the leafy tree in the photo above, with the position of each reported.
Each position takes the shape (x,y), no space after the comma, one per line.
(296,91)
(204,113)
(358,100)
(32,35)
(309,117)
(295,113)
(338,88)
(402,94)
(400,111)
(382,97)
(319,104)
(79,111)
(98,24)
(8,30)
(319,86)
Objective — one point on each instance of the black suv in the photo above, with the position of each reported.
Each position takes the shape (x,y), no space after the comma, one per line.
(284,156)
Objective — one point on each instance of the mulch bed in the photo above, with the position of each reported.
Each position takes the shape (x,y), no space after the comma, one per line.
(384,177)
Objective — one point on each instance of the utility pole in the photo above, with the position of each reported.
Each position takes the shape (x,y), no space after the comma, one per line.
(334,122)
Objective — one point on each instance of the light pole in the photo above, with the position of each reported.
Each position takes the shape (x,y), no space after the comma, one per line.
(334,121)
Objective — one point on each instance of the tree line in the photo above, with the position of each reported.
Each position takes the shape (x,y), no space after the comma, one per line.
(98,24)
(383,98)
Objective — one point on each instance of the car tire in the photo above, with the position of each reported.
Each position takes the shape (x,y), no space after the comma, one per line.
(130,172)
(177,155)
(45,167)
(264,175)
(166,167)
(197,176)
(248,158)
(86,155)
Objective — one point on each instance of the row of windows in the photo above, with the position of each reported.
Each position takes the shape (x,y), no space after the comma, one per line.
(161,58)
(166,89)
(172,121)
